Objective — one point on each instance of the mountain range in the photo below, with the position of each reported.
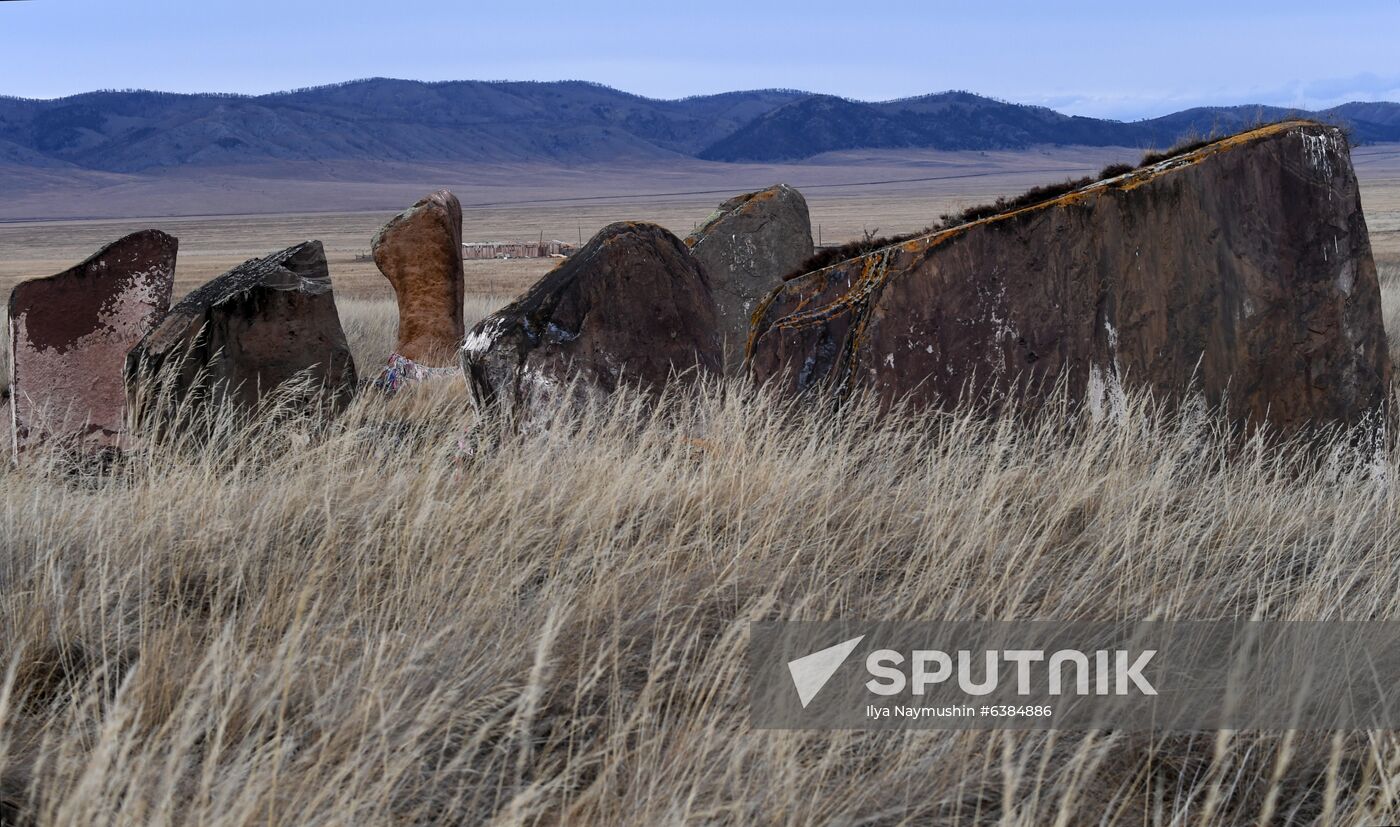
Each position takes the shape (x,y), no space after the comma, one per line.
(566,122)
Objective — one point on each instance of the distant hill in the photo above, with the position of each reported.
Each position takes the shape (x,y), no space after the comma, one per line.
(959,120)
(565,122)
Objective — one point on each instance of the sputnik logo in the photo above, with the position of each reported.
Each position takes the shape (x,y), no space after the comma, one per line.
(811,672)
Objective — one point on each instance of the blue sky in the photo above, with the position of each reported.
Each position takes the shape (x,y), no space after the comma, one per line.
(1091,58)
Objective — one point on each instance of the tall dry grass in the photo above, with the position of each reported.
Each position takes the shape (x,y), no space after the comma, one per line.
(406,616)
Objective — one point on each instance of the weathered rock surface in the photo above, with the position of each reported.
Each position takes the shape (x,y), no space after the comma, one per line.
(1242,271)
(69,336)
(257,326)
(746,247)
(420,252)
(631,306)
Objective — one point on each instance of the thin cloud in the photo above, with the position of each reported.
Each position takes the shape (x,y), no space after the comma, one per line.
(1318,94)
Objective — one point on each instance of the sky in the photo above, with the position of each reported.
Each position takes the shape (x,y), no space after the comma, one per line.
(1087,58)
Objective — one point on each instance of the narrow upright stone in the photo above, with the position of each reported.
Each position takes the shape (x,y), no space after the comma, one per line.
(746,247)
(69,336)
(420,252)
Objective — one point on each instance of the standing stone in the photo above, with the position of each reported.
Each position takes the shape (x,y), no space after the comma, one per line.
(265,322)
(420,252)
(69,336)
(1241,271)
(632,306)
(746,247)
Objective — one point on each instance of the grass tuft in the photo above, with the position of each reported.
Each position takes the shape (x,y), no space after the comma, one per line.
(1180,149)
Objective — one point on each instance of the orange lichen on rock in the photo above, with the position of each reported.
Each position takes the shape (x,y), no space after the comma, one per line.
(1145,278)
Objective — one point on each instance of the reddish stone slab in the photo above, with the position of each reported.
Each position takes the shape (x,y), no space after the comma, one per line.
(70,334)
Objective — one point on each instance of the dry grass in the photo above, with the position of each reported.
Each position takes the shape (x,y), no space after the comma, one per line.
(370,326)
(407,617)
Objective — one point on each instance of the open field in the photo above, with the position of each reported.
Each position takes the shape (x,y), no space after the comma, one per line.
(332,186)
(209,245)
(405,616)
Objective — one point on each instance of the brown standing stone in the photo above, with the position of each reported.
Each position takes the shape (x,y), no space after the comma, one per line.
(420,252)
(746,247)
(631,306)
(255,327)
(1241,270)
(69,336)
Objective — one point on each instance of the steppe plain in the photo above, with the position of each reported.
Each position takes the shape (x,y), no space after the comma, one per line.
(224,218)
(45,227)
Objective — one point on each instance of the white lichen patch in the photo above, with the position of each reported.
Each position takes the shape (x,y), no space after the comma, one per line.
(1318,151)
(996,310)
(745,254)
(1107,400)
(1362,457)
(478,342)
(148,287)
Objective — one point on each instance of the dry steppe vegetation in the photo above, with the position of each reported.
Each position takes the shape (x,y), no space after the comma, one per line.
(404,616)
(410,616)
